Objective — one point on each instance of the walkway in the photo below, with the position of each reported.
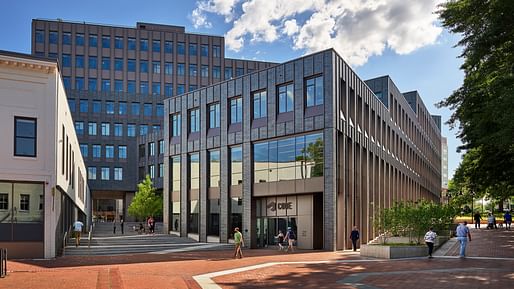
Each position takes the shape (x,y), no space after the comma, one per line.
(487,267)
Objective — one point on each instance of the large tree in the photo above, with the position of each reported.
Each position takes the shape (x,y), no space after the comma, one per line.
(483,107)
(146,202)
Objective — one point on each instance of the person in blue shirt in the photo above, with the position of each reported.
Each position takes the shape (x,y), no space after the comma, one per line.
(507,218)
(462,236)
(354,236)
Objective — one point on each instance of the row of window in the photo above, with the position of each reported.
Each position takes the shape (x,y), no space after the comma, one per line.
(144,87)
(119,129)
(122,108)
(151,149)
(313,97)
(151,171)
(24,202)
(96,151)
(105,173)
(130,43)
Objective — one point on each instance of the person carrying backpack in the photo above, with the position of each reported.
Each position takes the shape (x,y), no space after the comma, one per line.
(291,238)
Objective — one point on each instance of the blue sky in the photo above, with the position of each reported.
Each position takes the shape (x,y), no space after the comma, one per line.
(422,58)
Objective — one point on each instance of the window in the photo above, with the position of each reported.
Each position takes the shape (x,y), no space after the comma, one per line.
(131,130)
(92,84)
(122,152)
(122,109)
(143,66)
(214,168)
(194,120)
(53,37)
(118,129)
(135,108)
(131,43)
(79,61)
(181,69)
(259,105)
(181,48)
(156,67)
(143,87)
(79,127)
(71,104)
(236,110)
(216,72)
(161,147)
(175,124)
(109,151)
(143,129)
(147,109)
(285,98)
(79,83)
(151,149)
(93,40)
(204,50)
(168,68)
(91,128)
(214,115)
(118,64)
(236,165)
(159,108)
(93,62)
(66,60)
(194,171)
(25,139)
(168,89)
(118,85)
(106,63)
(151,171)
(168,46)
(40,36)
(105,128)
(106,41)
(106,85)
(156,88)
(97,151)
(314,91)
(143,44)
(24,202)
(193,51)
(118,42)
(216,51)
(156,46)
(240,71)
(131,65)
(83,105)
(97,106)
(228,72)
(161,171)
(142,151)
(79,39)
(84,150)
(131,86)
(109,107)
(66,38)
(194,184)
(118,174)
(105,173)
(204,72)
(66,81)
(156,127)
(180,89)
(91,173)
(193,70)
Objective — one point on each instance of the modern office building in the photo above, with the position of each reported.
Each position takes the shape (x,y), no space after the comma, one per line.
(116,79)
(305,144)
(43,187)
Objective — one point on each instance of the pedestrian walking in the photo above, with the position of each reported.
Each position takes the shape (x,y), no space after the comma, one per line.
(429,240)
(507,219)
(280,240)
(491,221)
(291,238)
(77,230)
(238,242)
(151,225)
(121,226)
(477,217)
(354,236)
(463,235)
(114,226)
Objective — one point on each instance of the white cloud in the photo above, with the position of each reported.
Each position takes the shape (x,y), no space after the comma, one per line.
(357,29)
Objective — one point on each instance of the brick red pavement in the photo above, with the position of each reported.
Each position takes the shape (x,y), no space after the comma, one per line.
(177,269)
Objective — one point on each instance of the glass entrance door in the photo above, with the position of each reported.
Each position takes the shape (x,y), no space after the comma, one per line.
(268,228)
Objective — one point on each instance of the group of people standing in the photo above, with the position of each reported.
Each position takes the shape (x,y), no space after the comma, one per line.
(491,220)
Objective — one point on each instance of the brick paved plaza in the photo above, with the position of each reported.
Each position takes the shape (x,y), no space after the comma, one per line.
(490,264)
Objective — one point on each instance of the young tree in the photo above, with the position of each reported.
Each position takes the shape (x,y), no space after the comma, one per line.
(146,202)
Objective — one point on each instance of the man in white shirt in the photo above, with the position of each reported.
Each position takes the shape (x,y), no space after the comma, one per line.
(77,229)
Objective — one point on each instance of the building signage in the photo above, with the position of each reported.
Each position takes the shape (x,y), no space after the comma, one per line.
(281,206)
(272,206)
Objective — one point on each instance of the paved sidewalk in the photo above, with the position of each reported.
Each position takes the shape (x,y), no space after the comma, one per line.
(490,265)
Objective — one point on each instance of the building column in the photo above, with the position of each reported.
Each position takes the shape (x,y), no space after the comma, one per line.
(224,193)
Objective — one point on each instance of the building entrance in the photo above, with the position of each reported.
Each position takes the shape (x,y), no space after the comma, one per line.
(268,229)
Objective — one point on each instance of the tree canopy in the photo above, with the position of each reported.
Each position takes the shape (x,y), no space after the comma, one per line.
(146,202)
(483,107)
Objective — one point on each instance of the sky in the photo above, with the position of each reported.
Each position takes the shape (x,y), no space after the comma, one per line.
(376,37)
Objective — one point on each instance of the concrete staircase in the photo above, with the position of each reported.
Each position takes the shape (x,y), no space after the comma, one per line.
(104,242)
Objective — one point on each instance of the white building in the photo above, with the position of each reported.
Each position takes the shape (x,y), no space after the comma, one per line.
(43,187)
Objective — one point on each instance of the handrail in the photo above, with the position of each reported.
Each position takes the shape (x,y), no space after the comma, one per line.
(64,243)
(89,237)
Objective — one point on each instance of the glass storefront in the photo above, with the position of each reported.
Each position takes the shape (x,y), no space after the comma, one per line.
(275,214)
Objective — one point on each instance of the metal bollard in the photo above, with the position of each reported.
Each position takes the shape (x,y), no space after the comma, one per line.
(3,262)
